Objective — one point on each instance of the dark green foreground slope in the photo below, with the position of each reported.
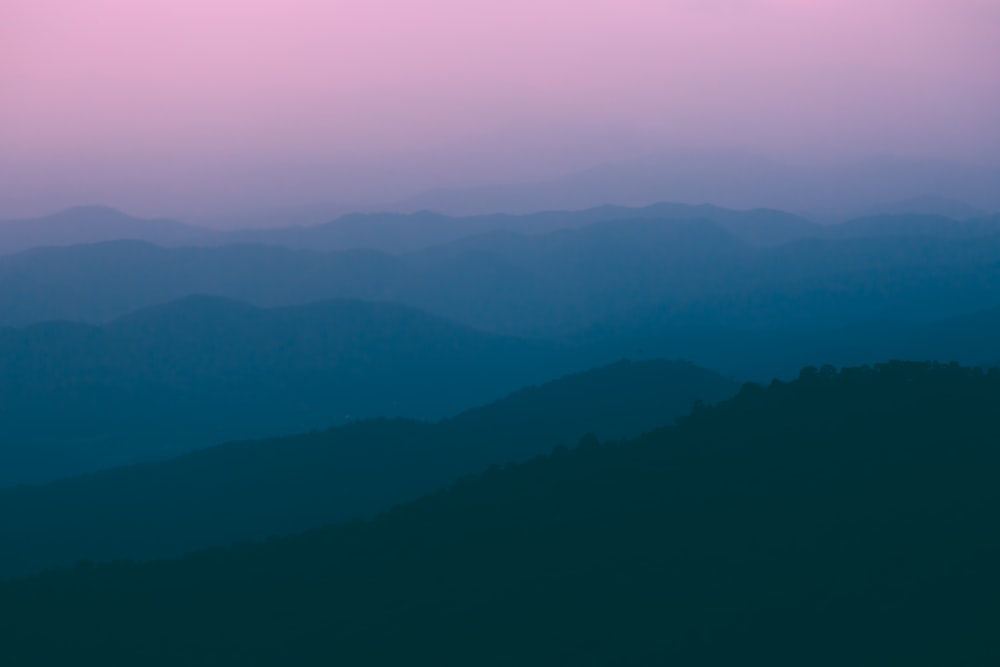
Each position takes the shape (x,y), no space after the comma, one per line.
(841,519)
(253,490)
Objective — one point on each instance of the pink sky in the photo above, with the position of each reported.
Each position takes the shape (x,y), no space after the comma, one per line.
(108,94)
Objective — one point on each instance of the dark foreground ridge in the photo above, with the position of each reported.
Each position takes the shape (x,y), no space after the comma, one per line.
(845,518)
(254,490)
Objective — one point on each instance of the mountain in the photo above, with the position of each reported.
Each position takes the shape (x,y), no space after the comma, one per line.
(734,179)
(399,233)
(92,224)
(843,518)
(695,274)
(254,490)
(682,271)
(388,232)
(205,370)
(99,282)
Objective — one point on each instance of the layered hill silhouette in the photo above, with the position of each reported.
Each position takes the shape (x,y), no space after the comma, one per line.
(99,282)
(692,272)
(739,180)
(204,370)
(93,224)
(843,518)
(398,233)
(388,232)
(255,490)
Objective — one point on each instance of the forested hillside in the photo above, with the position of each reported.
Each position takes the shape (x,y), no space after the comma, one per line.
(255,490)
(204,370)
(843,518)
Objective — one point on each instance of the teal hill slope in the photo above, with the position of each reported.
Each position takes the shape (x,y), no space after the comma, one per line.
(254,490)
(763,354)
(205,370)
(843,518)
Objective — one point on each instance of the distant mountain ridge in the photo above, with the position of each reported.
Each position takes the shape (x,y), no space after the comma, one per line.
(388,232)
(738,180)
(93,224)
(398,233)
(695,272)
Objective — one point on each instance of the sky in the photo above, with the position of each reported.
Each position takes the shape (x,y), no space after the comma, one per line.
(174,106)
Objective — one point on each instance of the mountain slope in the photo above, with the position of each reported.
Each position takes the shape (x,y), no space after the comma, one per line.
(99,282)
(253,490)
(205,370)
(844,518)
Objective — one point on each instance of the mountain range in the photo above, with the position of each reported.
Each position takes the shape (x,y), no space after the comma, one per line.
(838,519)
(692,271)
(92,224)
(827,192)
(204,370)
(255,490)
(397,233)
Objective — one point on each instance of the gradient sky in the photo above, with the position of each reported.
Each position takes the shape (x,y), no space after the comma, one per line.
(195,103)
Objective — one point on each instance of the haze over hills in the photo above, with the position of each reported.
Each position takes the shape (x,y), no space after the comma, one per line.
(397,233)
(292,401)
(204,370)
(943,206)
(387,232)
(254,490)
(618,272)
(734,179)
(910,225)
(96,283)
(838,519)
(92,224)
